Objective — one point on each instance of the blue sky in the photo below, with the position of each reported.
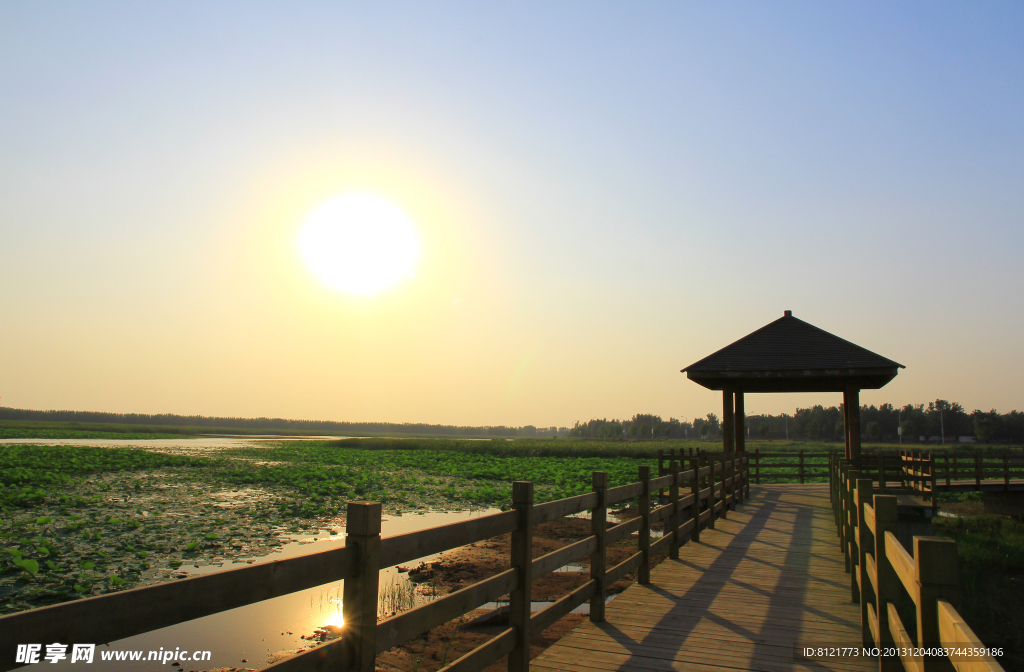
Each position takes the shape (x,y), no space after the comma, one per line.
(609,192)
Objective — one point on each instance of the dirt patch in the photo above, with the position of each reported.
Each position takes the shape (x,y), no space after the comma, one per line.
(963,508)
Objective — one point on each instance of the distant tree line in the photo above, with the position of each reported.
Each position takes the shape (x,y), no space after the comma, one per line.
(920,422)
(321,426)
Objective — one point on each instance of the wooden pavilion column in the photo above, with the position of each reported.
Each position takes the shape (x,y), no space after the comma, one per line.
(851,421)
(741,429)
(846,423)
(728,423)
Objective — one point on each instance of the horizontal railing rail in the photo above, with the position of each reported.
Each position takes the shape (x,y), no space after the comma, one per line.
(715,486)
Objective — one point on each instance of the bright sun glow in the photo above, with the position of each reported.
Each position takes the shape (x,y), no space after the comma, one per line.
(336,619)
(359,244)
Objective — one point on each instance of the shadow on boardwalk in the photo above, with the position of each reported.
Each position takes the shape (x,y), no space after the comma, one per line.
(768,579)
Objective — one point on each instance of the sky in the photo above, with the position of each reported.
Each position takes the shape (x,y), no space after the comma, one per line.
(604,193)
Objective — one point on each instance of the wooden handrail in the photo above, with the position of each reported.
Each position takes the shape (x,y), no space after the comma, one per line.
(955,633)
(930,576)
(421,543)
(902,563)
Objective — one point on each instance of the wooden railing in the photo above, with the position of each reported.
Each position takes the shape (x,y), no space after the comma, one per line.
(881,569)
(712,490)
(804,464)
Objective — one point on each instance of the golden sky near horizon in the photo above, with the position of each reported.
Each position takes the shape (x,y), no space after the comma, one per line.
(593,211)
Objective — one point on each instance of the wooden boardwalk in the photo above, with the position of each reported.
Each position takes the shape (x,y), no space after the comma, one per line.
(768,579)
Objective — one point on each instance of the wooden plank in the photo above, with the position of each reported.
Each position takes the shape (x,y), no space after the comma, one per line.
(869,517)
(405,547)
(660,512)
(873,624)
(902,564)
(903,641)
(623,568)
(548,563)
(954,632)
(560,508)
(656,546)
(484,655)
(663,482)
(624,492)
(397,629)
(872,571)
(553,612)
(623,530)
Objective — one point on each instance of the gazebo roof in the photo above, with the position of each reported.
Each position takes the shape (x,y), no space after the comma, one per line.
(790,355)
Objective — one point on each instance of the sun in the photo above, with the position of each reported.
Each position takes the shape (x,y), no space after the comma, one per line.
(359,244)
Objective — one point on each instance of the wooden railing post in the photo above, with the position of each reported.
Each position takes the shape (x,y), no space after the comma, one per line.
(746,474)
(712,495)
(598,559)
(737,471)
(725,499)
(887,586)
(522,560)
(730,485)
(800,468)
(695,507)
(359,605)
(673,515)
(644,571)
(938,575)
(661,472)
(864,495)
(1006,469)
(935,475)
(841,505)
(977,469)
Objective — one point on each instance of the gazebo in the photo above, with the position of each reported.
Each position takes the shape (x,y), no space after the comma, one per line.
(790,355)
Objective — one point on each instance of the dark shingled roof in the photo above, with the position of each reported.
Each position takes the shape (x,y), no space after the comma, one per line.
(790,355)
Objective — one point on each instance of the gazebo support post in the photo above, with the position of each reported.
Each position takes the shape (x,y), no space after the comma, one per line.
(846,423)
(852,402)
(741,430)
(728,423)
